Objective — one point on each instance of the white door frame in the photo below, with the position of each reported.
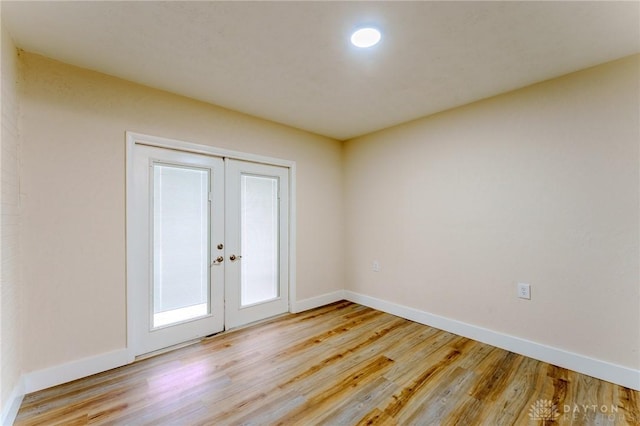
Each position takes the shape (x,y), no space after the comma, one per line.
(134,139)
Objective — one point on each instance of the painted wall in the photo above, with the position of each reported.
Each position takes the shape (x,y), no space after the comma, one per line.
(540,185)
(73,232)
(10,288)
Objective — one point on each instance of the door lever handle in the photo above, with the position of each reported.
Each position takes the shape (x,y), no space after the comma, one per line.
(218,260)
(233,257)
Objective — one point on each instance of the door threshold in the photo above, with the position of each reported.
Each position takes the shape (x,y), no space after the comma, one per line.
(250,324)
(200,339)
(168,349)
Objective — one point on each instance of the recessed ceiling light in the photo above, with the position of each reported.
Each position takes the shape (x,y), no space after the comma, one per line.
(365,37)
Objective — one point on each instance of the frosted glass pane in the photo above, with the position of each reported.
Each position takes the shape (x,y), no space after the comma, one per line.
(259,239)
(180,244)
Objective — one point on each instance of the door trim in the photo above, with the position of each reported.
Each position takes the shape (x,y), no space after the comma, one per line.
(133,139)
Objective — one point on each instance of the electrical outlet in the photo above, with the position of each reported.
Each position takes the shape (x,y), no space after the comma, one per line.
(524,291)
(375,266)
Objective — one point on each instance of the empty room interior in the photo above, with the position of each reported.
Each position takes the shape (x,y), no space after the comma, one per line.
(337,213)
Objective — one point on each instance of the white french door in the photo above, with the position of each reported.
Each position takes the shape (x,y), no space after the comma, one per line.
(176,218)
(207,245)
(257,234)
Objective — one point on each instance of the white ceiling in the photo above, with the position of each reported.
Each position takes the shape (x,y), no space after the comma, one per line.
(291,62)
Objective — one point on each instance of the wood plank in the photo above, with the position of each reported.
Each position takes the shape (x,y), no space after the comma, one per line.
(441,400)
(377,418)
(342,364)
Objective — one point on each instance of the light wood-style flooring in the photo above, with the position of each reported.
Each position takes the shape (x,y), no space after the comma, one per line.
(342,364)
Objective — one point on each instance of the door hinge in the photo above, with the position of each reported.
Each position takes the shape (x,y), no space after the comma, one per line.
(211,196)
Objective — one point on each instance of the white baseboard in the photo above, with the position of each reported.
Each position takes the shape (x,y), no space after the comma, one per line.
(12,404)
(623,376)
(52,376)
(317,301)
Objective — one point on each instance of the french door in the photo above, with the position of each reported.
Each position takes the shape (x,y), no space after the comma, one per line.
(257,232)
(208,245)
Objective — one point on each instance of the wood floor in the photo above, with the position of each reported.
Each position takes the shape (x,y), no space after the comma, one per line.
(342,364)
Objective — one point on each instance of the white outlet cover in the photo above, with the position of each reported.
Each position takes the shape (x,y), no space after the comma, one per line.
(524,291)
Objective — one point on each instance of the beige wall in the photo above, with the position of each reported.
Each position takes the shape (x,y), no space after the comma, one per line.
(73,232)
(540,185)
(10,295)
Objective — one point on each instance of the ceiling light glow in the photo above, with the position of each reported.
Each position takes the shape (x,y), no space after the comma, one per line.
(365,37)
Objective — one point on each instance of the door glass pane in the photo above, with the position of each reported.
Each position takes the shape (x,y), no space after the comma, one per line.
(180,244)
(259,239)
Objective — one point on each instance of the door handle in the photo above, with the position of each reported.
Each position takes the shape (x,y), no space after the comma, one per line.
(218,260)
(233,257)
